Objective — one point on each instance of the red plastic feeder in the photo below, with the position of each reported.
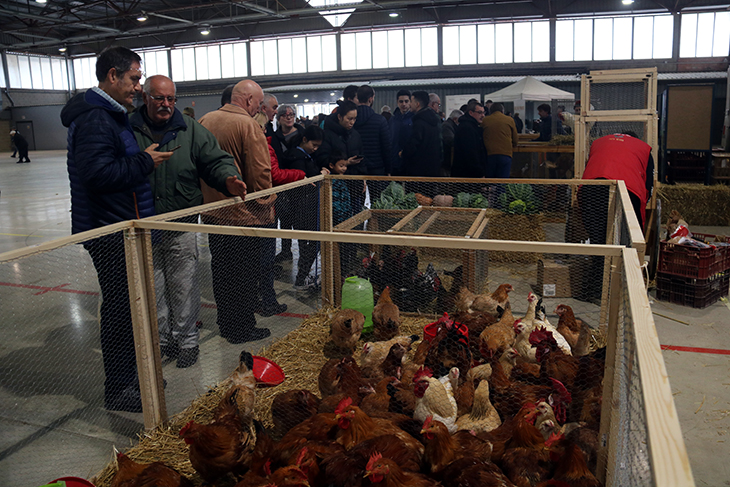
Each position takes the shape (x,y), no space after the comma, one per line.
(431,330)
(267,372)
(74,482)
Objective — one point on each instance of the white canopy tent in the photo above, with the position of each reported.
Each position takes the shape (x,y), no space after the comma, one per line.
(528,89)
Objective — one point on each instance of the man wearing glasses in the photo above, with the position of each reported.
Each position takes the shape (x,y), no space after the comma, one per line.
(175,186)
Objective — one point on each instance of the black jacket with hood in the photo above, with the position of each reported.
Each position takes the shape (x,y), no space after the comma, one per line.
(108,171)
(375,134)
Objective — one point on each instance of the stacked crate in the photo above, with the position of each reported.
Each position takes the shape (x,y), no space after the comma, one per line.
(691,276)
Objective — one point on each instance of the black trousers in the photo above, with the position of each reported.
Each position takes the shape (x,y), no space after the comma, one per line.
(593,201)
(23,153)
(285,214)
(306,217)
(235,266)
(117,336)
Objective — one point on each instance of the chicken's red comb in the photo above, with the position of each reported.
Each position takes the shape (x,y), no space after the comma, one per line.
(562,391)
(343,405)
(554,438)
(185,428)
(428,422)
(421,372)
(267,468)
(540,335)
(373,459)
(301,456)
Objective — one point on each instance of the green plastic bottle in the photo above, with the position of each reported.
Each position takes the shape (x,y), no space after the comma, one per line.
(357,294)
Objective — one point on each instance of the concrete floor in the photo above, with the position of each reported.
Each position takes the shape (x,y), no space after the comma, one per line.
(52,422)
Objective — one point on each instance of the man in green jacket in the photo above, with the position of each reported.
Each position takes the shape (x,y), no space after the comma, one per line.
(176,186)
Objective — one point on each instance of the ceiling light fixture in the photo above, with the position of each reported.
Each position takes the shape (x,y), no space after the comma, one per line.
(40,1)
(205,30)
(296,96)
(332,94)
(306,100)
(393,14)
(62,49)
(627,2)
(142,17)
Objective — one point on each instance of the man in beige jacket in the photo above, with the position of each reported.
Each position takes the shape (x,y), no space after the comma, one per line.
(235,261)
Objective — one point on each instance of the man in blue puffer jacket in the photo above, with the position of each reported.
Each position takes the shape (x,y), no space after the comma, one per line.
(375,135)
(109,184)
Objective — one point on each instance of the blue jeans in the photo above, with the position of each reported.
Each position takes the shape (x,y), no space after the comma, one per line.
(499,166)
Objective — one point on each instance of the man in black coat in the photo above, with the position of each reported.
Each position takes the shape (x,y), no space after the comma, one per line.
(21,145)
(422,151)
(470,155)
(375,135)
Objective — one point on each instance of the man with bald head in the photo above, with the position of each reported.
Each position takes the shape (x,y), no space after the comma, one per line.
(235,261)
(175,186)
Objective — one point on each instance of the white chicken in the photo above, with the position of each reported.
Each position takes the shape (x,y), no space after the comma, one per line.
(436,398)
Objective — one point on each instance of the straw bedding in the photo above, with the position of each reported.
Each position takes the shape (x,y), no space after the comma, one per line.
(310,340)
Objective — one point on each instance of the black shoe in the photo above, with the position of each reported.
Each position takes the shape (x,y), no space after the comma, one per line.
(128,400)
(278,308)
(188,357)
(251,335)
(283,256)
(170,350)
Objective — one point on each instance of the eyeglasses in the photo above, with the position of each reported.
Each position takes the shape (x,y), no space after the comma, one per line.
(160,99)
(288,115)
(479,112)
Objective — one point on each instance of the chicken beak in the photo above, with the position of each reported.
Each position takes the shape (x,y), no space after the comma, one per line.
(367,474)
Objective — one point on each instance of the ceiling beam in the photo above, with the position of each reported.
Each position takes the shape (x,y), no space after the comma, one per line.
(57,21)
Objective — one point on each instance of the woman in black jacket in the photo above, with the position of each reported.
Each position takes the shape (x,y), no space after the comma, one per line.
(339,136)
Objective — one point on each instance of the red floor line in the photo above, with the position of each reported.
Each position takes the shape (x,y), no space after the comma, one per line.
(45,289)
(678,348)
(62,289)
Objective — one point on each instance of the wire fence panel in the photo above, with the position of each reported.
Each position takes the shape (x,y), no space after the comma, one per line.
(410,320)
(632,466)
(619,96)
(63,374)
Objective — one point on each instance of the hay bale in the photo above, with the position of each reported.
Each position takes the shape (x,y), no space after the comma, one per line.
(698,204)
(523,228)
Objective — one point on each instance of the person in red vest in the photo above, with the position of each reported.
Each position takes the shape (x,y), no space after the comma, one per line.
(626,157)
(619,156)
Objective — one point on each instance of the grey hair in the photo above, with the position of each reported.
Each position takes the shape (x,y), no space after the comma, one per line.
(281,111)
(147,86)
(432,97)
(456,114)
(267,98)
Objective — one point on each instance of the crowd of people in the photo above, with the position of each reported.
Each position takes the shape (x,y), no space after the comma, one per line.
(126,163)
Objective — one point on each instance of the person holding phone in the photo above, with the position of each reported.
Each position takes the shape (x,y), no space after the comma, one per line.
(109,173)
(340,136)
(175,185)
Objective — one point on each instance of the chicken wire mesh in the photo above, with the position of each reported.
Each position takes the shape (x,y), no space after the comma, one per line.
(62,373)
(633,466)
(619,96)
(427,284)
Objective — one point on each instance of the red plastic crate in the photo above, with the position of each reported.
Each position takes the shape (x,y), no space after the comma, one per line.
(687,291)
(687,261)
